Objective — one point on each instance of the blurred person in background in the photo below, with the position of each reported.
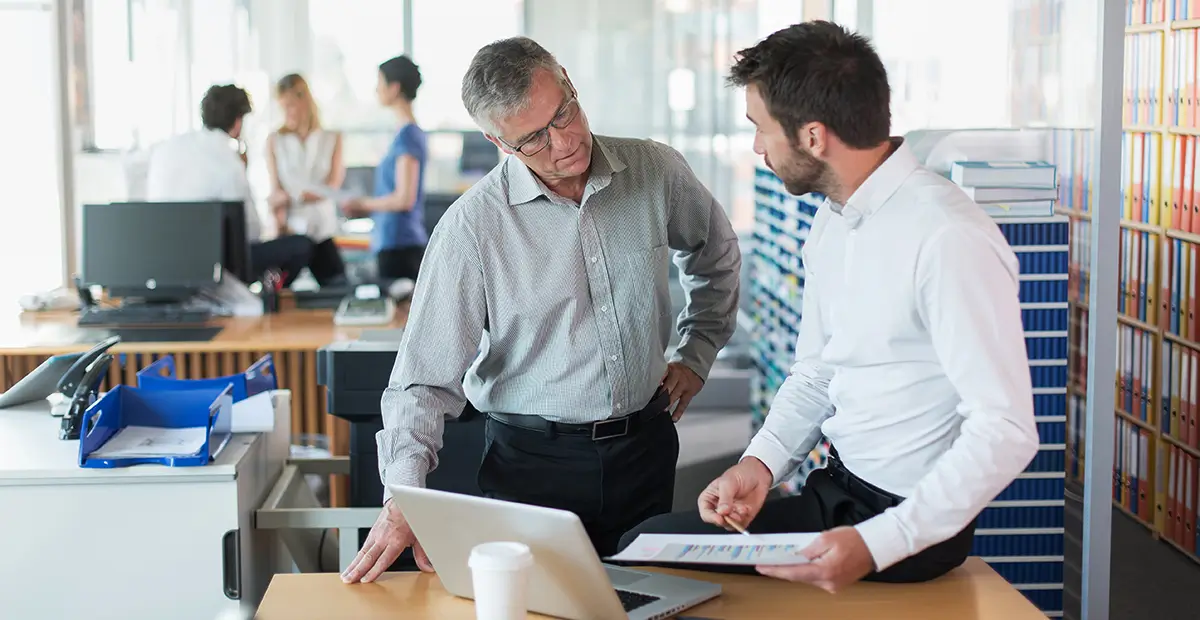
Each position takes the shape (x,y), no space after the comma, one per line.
(398,238)
(305,165)
(209,165)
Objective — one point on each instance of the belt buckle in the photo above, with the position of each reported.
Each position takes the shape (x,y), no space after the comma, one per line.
(622,423)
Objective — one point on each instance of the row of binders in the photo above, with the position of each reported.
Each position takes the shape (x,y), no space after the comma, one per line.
(1132,446)
(1166,298)
(1180,406)
(1077,360)
(1158,183)
(1157,11)
(1135,372)
(1161,85)
(1073,151)
(1142,97)
(1179,496)
(1179,313)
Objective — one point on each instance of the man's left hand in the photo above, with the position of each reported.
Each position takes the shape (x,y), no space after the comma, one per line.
(837,558)
(682,383)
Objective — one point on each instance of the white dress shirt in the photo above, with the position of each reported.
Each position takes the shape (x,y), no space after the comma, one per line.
(304,165)
(201,166)
(910,357)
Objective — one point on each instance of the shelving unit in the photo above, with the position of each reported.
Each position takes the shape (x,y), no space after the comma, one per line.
(1155,479)
(1021,533)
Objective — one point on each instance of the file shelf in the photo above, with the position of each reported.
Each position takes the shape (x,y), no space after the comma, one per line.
(1155,478)
(1021,532)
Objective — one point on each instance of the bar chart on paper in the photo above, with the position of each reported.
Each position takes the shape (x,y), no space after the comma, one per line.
(729,549)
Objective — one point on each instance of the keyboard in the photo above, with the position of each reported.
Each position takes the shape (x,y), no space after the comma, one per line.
(144,315)
(355,311)
(632,600)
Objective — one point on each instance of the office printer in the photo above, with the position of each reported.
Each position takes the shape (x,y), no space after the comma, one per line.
(354,375)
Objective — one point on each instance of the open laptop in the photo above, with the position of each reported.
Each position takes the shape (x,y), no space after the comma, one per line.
(567,581)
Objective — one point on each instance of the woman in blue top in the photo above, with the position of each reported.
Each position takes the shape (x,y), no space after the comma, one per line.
(398,207)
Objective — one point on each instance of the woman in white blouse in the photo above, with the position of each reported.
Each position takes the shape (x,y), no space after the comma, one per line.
(305,164)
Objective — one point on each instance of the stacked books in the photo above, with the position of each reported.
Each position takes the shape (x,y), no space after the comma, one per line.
(1009,188)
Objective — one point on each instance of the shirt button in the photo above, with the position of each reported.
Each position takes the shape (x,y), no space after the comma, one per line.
(613,358)
(619,405)
(593,259)
(604,308)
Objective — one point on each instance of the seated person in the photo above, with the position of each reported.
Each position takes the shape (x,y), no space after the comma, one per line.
(910,355)
(205,165)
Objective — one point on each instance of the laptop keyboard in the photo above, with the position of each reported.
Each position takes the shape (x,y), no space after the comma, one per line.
(632,600)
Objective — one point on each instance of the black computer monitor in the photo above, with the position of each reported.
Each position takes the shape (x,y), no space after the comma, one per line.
(154,252)
(235,246)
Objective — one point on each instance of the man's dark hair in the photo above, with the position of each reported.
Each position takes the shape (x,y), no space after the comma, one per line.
(818,71)
(223,105)
(401,70)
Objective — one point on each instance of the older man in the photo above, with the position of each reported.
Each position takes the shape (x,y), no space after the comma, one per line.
(544,301)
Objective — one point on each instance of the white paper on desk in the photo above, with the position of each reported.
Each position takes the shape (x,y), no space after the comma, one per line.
(730,549)
(143,441)
(255,414)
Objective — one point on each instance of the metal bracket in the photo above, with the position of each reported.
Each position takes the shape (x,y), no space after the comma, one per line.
(292,509)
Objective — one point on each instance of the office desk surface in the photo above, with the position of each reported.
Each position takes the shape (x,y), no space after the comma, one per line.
(51,333)
(972,592)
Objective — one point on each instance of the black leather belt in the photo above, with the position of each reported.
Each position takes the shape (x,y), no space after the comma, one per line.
(873,496)
(599,430)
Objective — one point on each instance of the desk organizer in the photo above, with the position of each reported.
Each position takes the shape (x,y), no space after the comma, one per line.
(259,377)
(124,406)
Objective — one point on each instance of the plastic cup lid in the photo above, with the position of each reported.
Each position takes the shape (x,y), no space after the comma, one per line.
(500,556)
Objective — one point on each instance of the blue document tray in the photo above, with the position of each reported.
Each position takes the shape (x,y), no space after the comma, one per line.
(125,406)
(259,377)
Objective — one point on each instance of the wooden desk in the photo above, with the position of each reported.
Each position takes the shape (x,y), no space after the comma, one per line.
(292,337)
(971,592)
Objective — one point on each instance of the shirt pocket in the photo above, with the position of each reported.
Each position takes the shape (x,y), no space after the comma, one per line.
(643,290)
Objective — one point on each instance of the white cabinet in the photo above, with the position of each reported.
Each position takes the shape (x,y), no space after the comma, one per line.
(144,542)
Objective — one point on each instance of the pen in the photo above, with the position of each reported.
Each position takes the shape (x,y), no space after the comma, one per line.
(737,527)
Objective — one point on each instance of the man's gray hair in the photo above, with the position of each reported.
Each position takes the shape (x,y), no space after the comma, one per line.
(496,85)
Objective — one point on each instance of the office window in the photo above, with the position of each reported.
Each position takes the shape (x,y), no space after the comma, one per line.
(148,63)
(31,239)
(349,40)
(443,45)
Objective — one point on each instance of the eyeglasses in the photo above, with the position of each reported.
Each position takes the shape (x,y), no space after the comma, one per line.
(541,139)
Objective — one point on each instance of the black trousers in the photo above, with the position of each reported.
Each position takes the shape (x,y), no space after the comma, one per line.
(611,484)
(831,497)
(399,263)
(326,265)
(289,254)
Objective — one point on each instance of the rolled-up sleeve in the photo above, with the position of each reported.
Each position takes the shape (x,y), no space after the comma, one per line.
(445,325)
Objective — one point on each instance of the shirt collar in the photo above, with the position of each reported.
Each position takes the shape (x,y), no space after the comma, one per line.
(524,186)
(879,186)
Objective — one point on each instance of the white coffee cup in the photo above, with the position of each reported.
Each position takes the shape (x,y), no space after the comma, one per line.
(500,577)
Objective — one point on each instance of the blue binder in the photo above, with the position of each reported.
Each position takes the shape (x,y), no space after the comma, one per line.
(259,377)
(125,406)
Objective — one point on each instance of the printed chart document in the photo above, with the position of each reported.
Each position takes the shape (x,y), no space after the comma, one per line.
(147,441)
(729,549)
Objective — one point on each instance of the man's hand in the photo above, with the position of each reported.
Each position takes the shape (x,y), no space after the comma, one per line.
(389,537)
(682,383)
(837,558)
(309,197)
(737,495)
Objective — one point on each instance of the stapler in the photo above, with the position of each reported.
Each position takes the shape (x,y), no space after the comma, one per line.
(68,385)
(86,392)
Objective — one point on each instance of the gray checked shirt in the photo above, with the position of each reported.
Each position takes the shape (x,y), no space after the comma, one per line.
(530,304)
